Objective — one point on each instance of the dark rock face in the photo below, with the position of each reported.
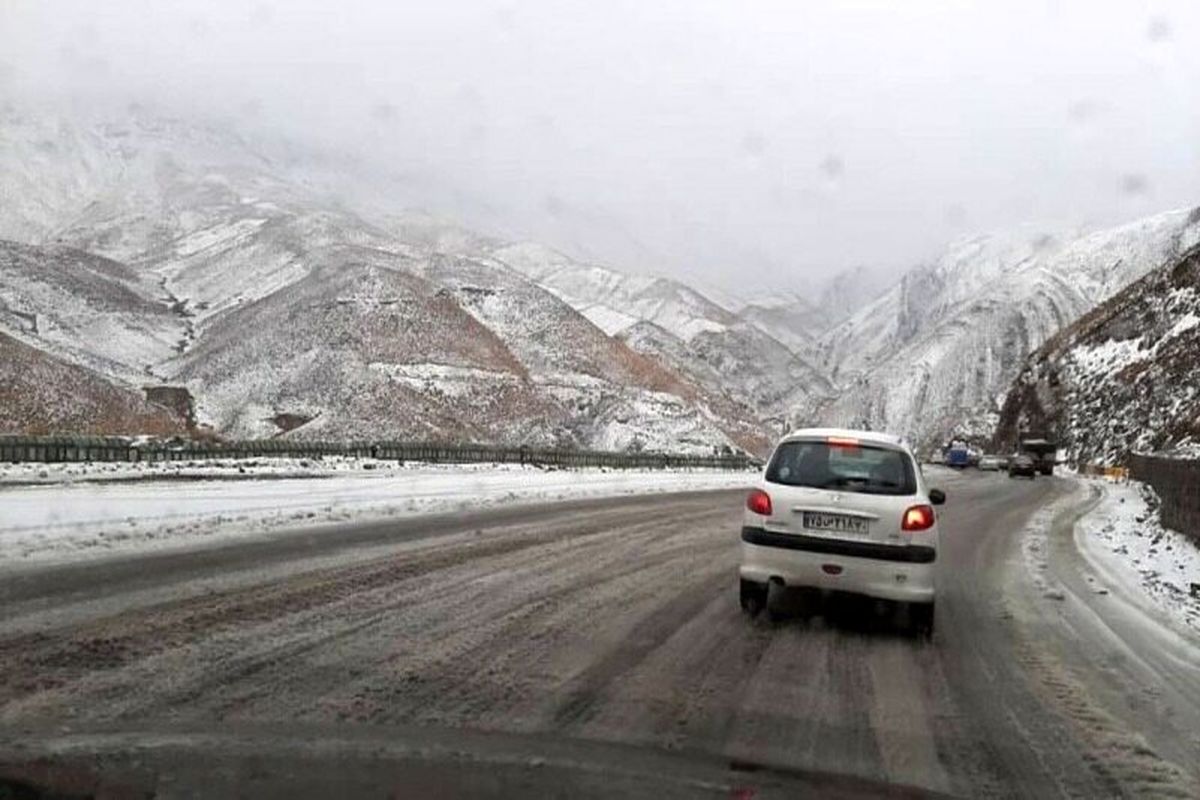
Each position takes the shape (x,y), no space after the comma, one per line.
(175,398)
(1124,378)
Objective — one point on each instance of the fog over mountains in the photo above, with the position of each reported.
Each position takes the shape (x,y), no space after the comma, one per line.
(141,251)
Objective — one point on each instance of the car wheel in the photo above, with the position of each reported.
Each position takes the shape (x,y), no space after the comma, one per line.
(753,597)
(920,618)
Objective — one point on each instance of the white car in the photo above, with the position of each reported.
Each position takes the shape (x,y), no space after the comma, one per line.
(842,510)
(992,463)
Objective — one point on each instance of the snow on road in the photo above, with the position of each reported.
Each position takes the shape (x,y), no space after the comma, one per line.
(70,520)
(1123,538)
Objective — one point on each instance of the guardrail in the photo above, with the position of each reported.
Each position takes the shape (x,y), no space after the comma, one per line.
(57,449)
(1177,484)
(1100,471)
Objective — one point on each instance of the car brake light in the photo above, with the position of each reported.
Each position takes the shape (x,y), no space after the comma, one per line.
(917,518)
(842,441)
(759,502)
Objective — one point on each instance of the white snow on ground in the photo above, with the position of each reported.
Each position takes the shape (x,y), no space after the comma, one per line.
(1123,537)
(450,381)
(22,474)
(77,520)
(199,240)
(609,320)
(1035,547)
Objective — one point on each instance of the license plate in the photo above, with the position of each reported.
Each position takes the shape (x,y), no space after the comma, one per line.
(835,523)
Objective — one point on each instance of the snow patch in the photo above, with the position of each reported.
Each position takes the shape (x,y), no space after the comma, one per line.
(447,380)
(80,520)
(193,243)
(1124,535)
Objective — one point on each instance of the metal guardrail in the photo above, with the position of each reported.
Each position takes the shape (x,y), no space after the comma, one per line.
(1101,471)
(1177,483)
(57,449)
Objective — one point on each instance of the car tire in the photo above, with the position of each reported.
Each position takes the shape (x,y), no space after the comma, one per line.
(920,618)
(753,597)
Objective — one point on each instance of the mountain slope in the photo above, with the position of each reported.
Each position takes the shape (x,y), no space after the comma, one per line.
(743,364)
(602,384)
(361,347)
(793,322)
(85,308)
(41,394)
(613,300)
(936,353)
(799,321)
(1124,378)
(732,356)
(279,304)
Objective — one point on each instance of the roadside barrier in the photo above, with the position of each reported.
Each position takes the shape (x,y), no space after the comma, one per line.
(1177,483)
(1099,471)
(57,449)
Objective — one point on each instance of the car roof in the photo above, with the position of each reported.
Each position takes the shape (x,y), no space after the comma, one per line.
(873,437)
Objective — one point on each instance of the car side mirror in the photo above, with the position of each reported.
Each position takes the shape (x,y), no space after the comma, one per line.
(937,497)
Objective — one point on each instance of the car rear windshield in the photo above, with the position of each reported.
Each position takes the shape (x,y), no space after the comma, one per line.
(851,468)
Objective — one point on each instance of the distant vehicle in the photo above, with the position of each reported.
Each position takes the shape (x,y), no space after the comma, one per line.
(1022,464)
(1043,452)
(958,456)
(842,510)
(991,463)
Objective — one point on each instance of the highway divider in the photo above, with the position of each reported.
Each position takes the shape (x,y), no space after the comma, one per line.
(59,449)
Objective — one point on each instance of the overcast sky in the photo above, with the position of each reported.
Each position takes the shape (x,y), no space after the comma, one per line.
(742,143)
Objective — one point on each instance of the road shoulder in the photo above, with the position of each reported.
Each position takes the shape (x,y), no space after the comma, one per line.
(1102,658)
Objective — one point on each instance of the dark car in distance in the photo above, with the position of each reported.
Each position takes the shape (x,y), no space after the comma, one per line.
(1022,465)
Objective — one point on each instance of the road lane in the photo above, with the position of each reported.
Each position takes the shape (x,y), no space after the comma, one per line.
(605,621)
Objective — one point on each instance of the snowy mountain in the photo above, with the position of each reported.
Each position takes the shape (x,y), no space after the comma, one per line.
(792,321)
(41,394)
(748,365)
(88,309)
(799,321)
(936,353)
(752,357)
(162,252)
(1123,378)
(850,290)
(613,300)
(152,251)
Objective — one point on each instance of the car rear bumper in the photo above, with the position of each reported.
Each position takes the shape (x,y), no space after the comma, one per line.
(903,573)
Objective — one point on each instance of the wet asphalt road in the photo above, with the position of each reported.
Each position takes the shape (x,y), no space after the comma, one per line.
(616,623)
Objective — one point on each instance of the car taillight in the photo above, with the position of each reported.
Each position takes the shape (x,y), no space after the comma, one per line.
(917,518)
(759,502)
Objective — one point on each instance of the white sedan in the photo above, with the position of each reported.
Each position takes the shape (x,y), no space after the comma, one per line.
(842,510)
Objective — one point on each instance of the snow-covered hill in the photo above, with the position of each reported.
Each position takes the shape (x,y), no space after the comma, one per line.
(613,300)
(42,394)
(87,309)
(938,351)
(1124,378)
(792,321)
(167,251)
(752,357)
(747,364)
(152,250)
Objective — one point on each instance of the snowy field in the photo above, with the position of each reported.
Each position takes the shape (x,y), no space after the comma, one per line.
(239,469)
(1124,540)
(71,515)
